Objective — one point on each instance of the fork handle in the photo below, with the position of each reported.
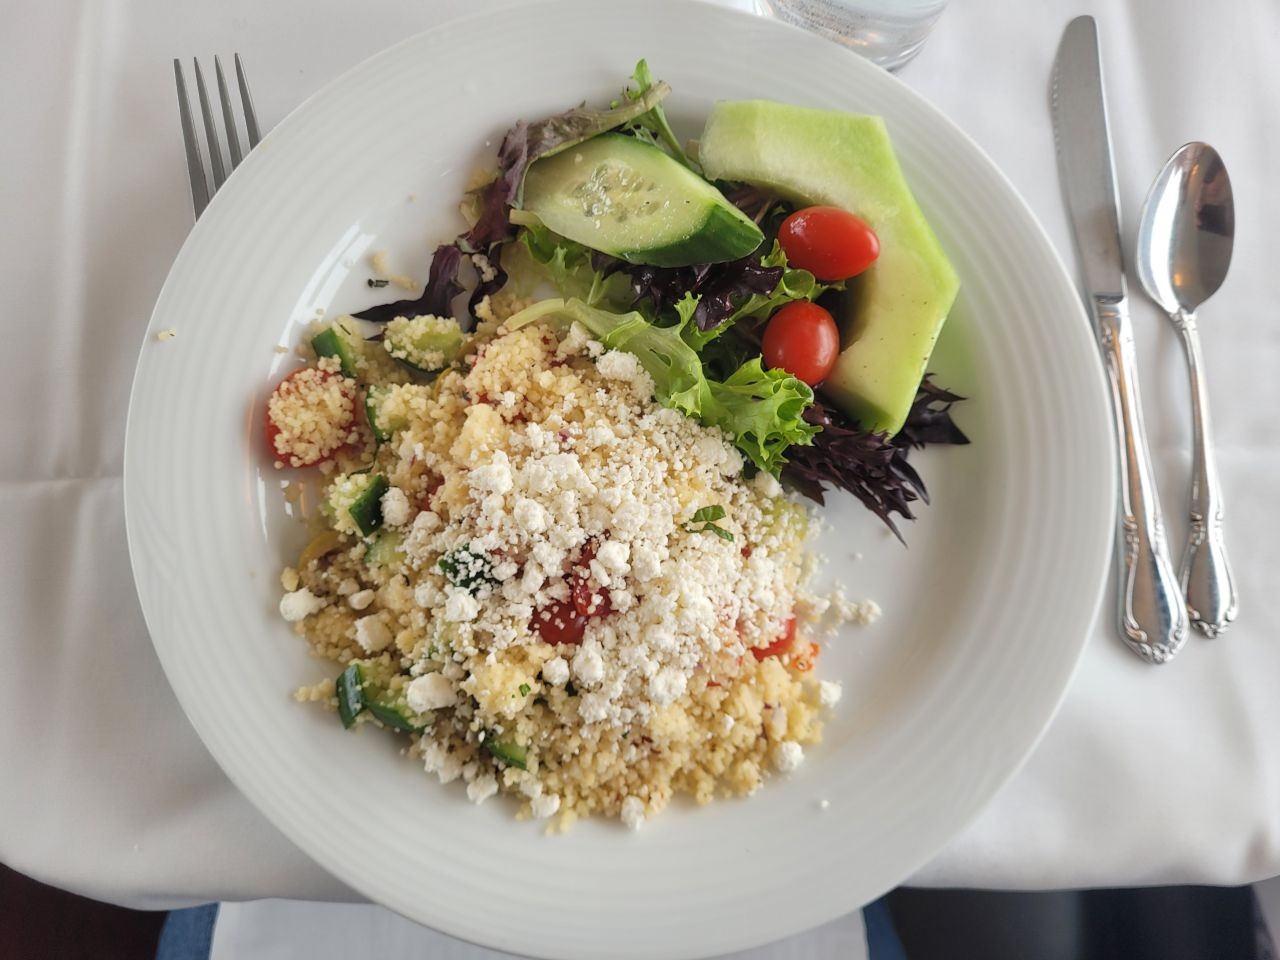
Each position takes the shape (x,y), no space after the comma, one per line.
(1207,580)
(1153,617)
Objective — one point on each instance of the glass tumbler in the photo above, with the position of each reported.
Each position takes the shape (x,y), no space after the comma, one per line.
(887,32)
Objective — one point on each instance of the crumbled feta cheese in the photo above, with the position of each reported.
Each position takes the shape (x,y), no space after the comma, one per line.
(645,563)
(767,484)
(666,686)
(788,755)
(493,477)
(348,586)
(632,812)
(588,666)
(530,515)
(829,693)
(482,788)
(437,759)
(545,805)
(361,599)
(618,365)
(431,691)
(396,511)
(372,634)
(556,671)
(612,555)
(300,604)
(460,606)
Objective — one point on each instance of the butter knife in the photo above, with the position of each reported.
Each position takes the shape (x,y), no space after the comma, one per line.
(1153,618)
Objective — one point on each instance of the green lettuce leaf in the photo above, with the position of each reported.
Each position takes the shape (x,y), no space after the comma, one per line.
(762,410)
(568,266)
(652,126)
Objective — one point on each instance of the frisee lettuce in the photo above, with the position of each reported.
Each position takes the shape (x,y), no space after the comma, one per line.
(652,126)
(762,410)
(569,267)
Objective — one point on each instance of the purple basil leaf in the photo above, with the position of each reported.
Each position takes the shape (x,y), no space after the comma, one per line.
(873,466)
(930,418)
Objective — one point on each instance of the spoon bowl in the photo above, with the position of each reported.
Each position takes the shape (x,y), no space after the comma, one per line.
(1187,230)
(1184,250)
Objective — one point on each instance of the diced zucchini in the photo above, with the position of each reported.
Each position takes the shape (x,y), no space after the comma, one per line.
(396,715)
(382,425)
(350,694)
(366,509)
(384,549)
(424,344)
(365,685)
(508,751)
(336,340)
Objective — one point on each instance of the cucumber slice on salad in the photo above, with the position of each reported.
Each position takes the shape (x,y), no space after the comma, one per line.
(366,509)
(382,425)
(384,549)
(424,344)
(365,685)
(627,198)
(336,340)
(508,751)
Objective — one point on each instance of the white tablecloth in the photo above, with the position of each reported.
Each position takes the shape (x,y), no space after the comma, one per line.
(1148,775)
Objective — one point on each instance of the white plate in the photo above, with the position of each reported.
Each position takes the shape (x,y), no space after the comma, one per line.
(986,613)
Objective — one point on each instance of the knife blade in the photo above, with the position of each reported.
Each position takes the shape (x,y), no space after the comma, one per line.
(1082,137)
(1152,614)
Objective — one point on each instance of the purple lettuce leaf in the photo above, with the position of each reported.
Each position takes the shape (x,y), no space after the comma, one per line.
(872,466)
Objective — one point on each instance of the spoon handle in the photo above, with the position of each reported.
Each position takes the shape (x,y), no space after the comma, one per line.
(1153,617)
(1207,581)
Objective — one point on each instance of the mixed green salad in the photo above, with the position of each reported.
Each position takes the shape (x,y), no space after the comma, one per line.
(775,278)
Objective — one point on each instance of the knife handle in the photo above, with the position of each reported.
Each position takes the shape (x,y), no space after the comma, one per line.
(1207,581)
(1153,616)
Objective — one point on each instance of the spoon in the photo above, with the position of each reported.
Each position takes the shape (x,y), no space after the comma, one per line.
(1184,249)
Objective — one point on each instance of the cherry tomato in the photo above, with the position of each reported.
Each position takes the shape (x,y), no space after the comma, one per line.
(589,602)
(560,622)
(830,243)
(802,339)
(781,645)
(286,387)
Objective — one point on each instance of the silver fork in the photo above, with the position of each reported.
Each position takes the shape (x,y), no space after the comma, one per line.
(217,173)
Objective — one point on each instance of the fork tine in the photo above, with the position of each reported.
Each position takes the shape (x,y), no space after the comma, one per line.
(195,167)
(228,117)
(210,132)
(250,117)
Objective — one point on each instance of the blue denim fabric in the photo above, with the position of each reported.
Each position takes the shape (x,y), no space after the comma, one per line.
(188,934)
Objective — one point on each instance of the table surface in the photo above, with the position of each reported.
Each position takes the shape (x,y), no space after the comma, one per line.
(1148,775)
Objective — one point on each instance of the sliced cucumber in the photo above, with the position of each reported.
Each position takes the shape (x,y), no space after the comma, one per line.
(424,344)
(627,198)
(382,425)
(365,685)
(350,695)
(508,751)
(366,509)
(336,340)
(384,549)
(397,715)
